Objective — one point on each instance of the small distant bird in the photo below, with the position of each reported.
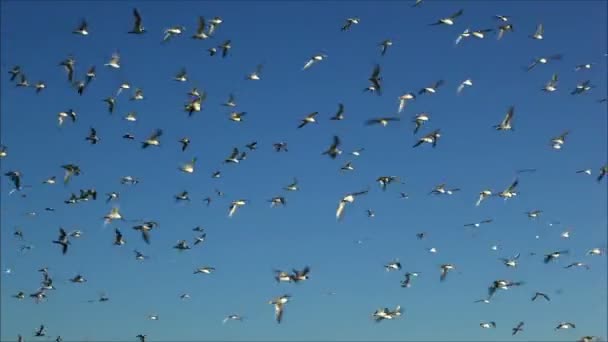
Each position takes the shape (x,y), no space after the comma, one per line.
(138,27)
(558,142)
(384,181)
(510,191)
(483,195)
(279,305)
(442,190)
(543,60)
(256,75)
(541,295)
(432,89)
(585,66)
(69,64)
(384,45)
(518,328)
(565,325)
(200,31)
(41,331)
(445,268)
(153,140)
(578,264)
(139,255)
(200,239)
(505,124)
(502,285)
(554,255)
(448,20)
(78,279)
(430,138)
(583,87)
(205,270)
(403,100)
(393,266)
(374,79)
(293,186)
(82,29)
(235,205)
(350,22)
(595,251)
(111,101)
(407,282)
(69,114)
(348,198)
(313,60)
(310,118)
(70,170)
(381,121)
(189,166)
(181,76)
(280,146)
(40,86)
(232,318)
(139,95)
(466,83)
(302,275)
(226,46)
(114,61)
(118,238)
(92,137)
(487,325)
(63,241)
(478,224)
(339,114)
(538,34)
(534,213)
(173,32)
(510,262)
(277,201)
(185,141)
(551,85)
(504,29)
(231,101)
(334,151)
(141,337)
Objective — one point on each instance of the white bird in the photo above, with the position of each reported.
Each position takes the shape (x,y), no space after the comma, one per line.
(235,205)
(466,83)
(313,60)
(114,61)
(538,34)
(349,198)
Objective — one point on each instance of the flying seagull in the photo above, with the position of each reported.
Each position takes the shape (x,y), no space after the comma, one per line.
(63,241)
(334,151)
(505,124)
(350,22)
(82,29)
(153,140)
(313,60)
(310,118)
(339,114)
(138,27)
(448,20)
(538,34)
(279,304)
(430,138)
(348,198)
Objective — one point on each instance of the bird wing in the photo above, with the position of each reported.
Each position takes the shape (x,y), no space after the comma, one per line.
(340,210)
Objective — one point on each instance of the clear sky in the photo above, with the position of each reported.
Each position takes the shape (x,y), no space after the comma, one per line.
(245,249)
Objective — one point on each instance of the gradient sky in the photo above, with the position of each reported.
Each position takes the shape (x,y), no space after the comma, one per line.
(245,249)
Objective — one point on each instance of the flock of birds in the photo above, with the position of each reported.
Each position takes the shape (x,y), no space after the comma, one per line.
(196,98)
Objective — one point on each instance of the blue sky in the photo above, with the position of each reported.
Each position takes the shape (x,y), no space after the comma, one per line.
(245,249)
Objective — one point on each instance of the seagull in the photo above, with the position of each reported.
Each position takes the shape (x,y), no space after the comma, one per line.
(300,275)
(348,198)
(200,31)
(510,191)
(350,22)
(375,79)
(181,76)
(141,337)
(381,121)
(543,60)
(448,20)
(205,270)
(510,262)
(339,114)
(68,64)
(478,224)
(483,195)
(501,284)
(554,255)
(23,81)
(534,213)
(384,181)
(3,151)
(114,214)
(153,140)
(173,32)
(280,146)
(585,66)
(445,268)
(293,186)
(70,170)
(232,318)
(393,266)
(214,24)
(313,60)
(310,118)
(233,158)
(385,313)
(15,177)
(565,325)
(129,180)
(480,33)
(542,295)
(62,116)
(185,141)
(578,264)
(114,61)
(538,34)
(182,196)
(279,304)
(78,279)
(505,124)
(231,101)
(333,151)
(277,201)
(595,251)
(137,25)
(15,71)
(551,85)
(111,101)
(235,205)
(582,87)
(503,29)
(200,239)
(407,282)
(82,29)
(282,276)
(403,100)
(502,18)
(139,95)
(384,45)
(417,3)
(92,137)
(465,34)
(63,241)
(466,83)
(188,167)
(430,138)
(558,142)
(487,325)
(225,48)
(432,89)
(40,86)
(118,238)
(441,190)
(41,331)
(256,75)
